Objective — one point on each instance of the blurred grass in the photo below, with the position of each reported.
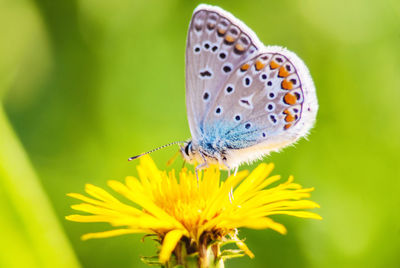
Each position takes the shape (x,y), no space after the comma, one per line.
(33,237)
(86,84)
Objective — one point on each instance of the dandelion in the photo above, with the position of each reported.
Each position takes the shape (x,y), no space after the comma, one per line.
(193,218)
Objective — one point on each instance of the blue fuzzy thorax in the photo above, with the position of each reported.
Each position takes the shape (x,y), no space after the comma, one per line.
(217,139)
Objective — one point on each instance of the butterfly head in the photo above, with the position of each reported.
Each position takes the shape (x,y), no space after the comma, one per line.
(187,151)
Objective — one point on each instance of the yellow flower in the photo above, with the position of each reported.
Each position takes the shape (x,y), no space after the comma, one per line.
(195,213)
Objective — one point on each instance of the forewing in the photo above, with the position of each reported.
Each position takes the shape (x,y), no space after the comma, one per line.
(217,44)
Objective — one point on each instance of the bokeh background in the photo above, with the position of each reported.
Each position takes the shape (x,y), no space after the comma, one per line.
(84,84)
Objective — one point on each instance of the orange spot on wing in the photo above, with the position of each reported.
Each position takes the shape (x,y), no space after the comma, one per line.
(239,47)
(289,118)
(289,99)
(273,64)
(221,31)
(287,84)
(283,72)
(229,39)
(286,111)
(245,67)
(259,65)
(287,126)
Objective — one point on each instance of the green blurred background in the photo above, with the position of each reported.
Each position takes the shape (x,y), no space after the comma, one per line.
(84,84)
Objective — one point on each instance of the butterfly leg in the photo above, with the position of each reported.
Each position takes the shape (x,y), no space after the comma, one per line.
(231,198)
(202,165)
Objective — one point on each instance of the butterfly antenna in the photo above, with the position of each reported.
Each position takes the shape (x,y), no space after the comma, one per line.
(156,149)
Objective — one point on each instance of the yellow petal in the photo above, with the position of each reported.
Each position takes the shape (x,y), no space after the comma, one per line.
(169,244)
(300,214)
(111,233)
(88,218)
(255,178)
(99,193)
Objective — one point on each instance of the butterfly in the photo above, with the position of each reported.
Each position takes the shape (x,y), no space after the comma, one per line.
(244,99)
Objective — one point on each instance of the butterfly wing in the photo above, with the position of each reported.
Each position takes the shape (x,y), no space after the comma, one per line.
(212,39)
(254,100)
(267,103)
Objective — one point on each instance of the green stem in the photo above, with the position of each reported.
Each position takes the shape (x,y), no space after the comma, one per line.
(34,237)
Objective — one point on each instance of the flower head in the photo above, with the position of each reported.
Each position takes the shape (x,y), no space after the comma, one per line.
(196,213)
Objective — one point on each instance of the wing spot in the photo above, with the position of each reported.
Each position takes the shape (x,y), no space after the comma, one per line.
(289,99)
(264,135)
(270,106)
(273,65)
(221,32)
(234,31)
(227,68)
(214,48)
(271,95)
(286,84)
(229,89)
(218,111)
(206,45)
(272,118)
(198,27)
(229,40)
(245,67)
(244,40)
(259,65)
(238,117)
(283,72)
(287,126)
(269,83)
(205,74)
(210,26)
(247,81)
(239,49)
(246,102)
(263,76)
(222,55)
(247,126)
(196,49)
(206,96)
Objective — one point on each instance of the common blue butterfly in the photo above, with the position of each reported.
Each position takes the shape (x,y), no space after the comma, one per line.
(244,99)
